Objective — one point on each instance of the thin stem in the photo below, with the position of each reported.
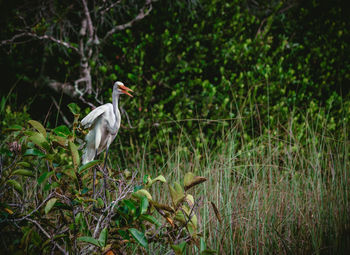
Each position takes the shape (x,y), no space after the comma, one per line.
(105,175)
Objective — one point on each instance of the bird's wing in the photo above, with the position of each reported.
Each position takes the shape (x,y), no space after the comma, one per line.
(89,119)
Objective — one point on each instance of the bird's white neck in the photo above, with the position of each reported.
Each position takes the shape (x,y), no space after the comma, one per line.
(115,100)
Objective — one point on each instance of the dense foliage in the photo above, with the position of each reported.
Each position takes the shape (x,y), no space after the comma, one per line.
(47,201)
(210,59)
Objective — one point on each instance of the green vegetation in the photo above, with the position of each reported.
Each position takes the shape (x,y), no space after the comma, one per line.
(47,201)
(252,97)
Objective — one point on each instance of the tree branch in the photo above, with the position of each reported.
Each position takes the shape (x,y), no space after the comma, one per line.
(66,88)
(88,19)
(145,10)
(48,235)
(40,37)
(112,5)
(36,209)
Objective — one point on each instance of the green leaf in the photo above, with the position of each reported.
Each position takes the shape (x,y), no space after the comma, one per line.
(145,179)
(179,248)
(194,181)
(190,200)
(158,178)
(100,202)
(75,154)
(137,187)
(131,206)
(37,125)
(123,234)
(89,165)
(208,252)
(70,172)
(39,140)
(142,192)
(184,214)
(23,172)
(62,131)
(180,216)
(178,188)
(144,205)
(188,178)
(74,108)
(139,237)
(23,164)
(103,237)
(44,176)
(85,190)
(177,194)
(50,204)
(150,219)
(15,185)
(89,239)
(162,206)
(33,152)
(64,206)
(60,140)
(14,128)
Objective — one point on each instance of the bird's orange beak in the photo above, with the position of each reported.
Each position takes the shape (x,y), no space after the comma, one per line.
(126,90)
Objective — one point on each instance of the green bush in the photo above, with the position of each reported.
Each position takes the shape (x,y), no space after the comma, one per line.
(46,201)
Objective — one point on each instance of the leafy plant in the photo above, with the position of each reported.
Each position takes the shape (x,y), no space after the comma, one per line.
(45,170)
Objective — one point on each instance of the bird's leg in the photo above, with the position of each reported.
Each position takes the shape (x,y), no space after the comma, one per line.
(105,175)
(94,179)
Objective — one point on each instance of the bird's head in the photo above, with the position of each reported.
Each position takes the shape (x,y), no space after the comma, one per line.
(122,89)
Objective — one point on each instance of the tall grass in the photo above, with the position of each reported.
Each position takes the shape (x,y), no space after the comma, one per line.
(285,190)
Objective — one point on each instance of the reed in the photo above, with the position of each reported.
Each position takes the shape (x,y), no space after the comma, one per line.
(283,191)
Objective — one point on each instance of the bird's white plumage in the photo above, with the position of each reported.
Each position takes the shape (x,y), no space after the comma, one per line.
(104,126)
(104,123)
(90,118)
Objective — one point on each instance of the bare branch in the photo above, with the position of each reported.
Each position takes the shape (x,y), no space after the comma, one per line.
(36,209)
(61,113)
(108,8)
(40,37)
(88,19)
(66,88)
(48,236)
(86,102)
(85,77)
(145,10)
(127,116)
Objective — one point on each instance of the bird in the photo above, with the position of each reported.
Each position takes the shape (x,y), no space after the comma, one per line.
(103,123)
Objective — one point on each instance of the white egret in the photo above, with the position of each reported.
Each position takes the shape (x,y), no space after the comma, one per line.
(104,123)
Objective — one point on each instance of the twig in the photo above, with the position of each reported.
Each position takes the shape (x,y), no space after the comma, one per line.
(36,209)
(59,110)
(40,37)
(48,236)
(123,192)
(127,116)
(190,215)
(142,14)
(112,5)
(48,113)
(86,102)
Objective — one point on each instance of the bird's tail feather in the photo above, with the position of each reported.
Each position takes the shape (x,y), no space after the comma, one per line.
(88,155)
